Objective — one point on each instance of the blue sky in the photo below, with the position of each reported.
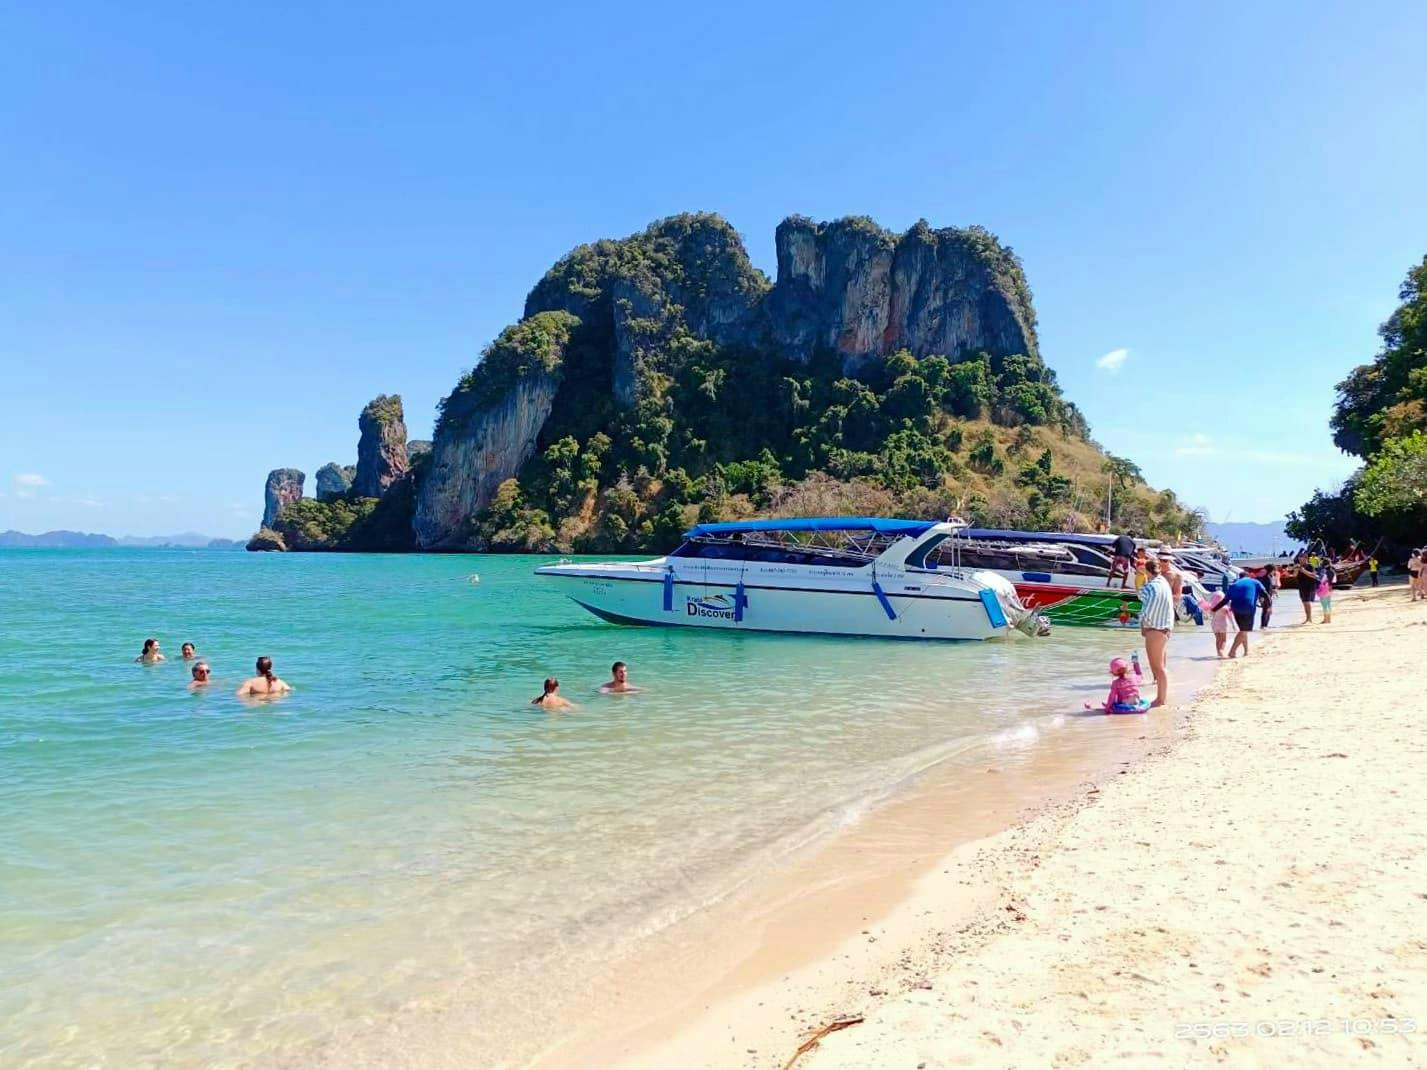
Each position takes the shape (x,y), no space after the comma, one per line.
(222,230)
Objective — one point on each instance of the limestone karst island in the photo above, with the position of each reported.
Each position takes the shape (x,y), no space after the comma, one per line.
(661,379)
(792,536)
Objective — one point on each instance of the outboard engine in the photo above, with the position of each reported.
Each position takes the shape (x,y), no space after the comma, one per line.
(1021,618)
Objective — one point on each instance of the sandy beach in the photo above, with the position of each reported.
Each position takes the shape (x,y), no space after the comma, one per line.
(1251,893)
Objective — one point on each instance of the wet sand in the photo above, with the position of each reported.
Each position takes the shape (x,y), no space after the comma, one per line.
(1251,891)
(740,984)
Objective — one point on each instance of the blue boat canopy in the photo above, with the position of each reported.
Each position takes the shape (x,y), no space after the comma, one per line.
(1037,536)
(880,525)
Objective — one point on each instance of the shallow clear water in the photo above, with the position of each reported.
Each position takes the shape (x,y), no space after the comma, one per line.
(186,879)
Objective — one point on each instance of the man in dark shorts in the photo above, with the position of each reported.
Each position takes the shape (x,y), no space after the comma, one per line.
(1243,595)
(1123,561)
(1307,586)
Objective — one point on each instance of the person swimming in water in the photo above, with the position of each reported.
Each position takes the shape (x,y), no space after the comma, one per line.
(551,698)
(150,655)
(265,683)
(202,677)
(188,652)
(619,681)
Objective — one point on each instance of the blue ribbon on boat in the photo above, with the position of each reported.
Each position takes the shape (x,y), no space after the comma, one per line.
(739,601)
(669,591)
(882,597)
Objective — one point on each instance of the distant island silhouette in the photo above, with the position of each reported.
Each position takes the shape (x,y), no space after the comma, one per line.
(80,540)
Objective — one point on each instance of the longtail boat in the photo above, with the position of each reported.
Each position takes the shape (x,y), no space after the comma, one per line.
(1062,576)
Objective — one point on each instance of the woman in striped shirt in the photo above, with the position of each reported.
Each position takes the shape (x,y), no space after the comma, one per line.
(1156,620)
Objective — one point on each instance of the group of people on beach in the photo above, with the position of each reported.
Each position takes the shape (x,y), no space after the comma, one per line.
(264,683)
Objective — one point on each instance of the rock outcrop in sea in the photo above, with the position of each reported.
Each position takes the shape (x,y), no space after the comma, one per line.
(661,378)
(381,450)
(334,480)
(848,288)
(284,486)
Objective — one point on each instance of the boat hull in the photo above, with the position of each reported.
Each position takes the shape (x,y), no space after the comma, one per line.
(1065,603)
(915,614)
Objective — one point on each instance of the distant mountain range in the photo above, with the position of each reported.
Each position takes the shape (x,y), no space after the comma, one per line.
(1259,539)
(80,540)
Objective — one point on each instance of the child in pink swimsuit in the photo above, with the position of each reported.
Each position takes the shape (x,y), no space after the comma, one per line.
(1124,696)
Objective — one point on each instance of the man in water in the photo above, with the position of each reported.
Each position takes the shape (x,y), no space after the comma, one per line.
(188,652)
(201,676)
(1124,547)
(619,681)
(1244,596)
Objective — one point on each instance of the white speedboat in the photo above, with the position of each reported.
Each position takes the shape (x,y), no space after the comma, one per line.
(825,575)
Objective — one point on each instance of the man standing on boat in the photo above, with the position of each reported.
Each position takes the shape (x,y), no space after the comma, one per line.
(1124,548)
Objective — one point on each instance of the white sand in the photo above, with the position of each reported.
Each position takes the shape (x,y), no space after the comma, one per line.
(1265,875)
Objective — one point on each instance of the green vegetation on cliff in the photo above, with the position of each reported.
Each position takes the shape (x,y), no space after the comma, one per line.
(1381,416)
(662,379)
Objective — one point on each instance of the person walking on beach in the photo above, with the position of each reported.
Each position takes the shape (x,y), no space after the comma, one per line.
(1414,570)
(264,683)
(202,677)
(1221,621)
(619,681)
(150,655)
(1372,569)
(1327,576)
(1270,588)
(1156,620)
(550,698)
(1120,564)
(1243,596)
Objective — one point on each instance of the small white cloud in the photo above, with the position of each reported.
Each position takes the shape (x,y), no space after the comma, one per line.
(1199,445)
(1281,457)
(1113,360)
(26,483)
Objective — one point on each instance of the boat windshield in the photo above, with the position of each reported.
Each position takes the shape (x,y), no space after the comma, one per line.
(769,548)
(1024,557)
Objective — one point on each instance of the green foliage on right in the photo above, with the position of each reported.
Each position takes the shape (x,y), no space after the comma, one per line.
(1380,415)
(1395,481)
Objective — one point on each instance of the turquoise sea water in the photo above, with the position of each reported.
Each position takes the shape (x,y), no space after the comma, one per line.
(188,880)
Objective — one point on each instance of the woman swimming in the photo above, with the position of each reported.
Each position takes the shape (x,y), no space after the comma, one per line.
(551,698)
(265,683)
(150,654)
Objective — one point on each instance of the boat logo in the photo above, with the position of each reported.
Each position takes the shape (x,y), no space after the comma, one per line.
(717,605)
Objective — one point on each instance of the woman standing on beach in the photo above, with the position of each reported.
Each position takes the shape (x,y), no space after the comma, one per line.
(1414,574)
(1156,620)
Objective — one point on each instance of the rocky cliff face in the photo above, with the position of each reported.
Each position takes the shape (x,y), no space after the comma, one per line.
(381,451)
(489,426)
(847,287)
(334,480)
(284,485)
(853,288)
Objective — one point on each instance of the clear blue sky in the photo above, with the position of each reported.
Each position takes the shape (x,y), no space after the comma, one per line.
(222,231)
